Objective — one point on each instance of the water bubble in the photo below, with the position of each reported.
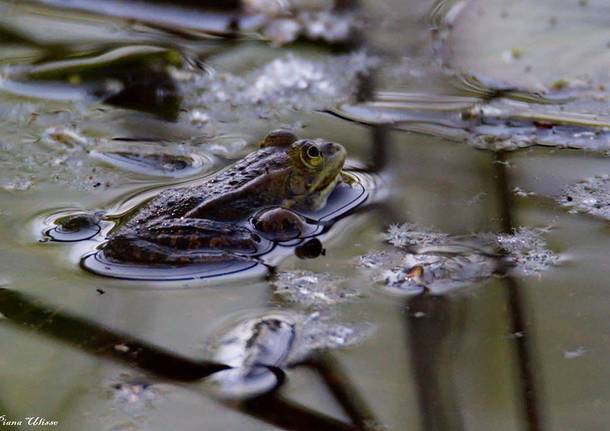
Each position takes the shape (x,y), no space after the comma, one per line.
(72,226)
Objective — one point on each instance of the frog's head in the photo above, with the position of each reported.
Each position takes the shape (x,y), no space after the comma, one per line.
(314,168)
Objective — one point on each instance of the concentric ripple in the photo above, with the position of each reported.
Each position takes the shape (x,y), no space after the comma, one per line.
(343,200)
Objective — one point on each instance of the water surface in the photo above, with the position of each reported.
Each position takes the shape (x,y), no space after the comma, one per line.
(508,351)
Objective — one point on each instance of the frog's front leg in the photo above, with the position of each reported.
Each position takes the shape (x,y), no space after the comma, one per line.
(180,241)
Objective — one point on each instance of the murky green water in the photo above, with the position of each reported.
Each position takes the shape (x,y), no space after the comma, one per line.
(463,330)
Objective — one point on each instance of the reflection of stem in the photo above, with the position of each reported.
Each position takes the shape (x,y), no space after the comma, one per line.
(380,140)
(515,300)
(287,415)
(365,91)
(438,406)
(99,341)
(96,340)
(344,391)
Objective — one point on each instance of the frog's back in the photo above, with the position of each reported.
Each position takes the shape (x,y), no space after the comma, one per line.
(247,183)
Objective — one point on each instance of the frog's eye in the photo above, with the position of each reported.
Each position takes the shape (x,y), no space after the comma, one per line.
(310,154)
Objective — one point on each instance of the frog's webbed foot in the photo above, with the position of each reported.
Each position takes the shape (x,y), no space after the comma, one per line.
(348,178)
(180,241)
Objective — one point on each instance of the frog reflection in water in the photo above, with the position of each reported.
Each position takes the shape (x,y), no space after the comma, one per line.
(201,223)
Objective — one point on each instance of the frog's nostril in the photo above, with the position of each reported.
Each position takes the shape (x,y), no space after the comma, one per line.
(331,149)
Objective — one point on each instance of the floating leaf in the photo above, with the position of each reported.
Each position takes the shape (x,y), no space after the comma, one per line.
(529,43)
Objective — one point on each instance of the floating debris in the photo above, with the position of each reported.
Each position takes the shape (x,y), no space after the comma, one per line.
(518,191)
(379,259)
(311,289)
(573,354)
(510,120)
(133,395)
(510,125)
(280,21)
(121,348)
(62,138)
(527,250)
(18,184)
(253,348)
(59,141)
(320,331)
(259,347)
(427,260)
(323,25)
(265,340)
(438,271)
(591,196)
(409,234)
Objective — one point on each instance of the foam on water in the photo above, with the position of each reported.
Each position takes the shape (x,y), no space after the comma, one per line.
(425,259)
(283,85)
(310,289)
(528,251)
(590,196)
(320,330)
(409,234)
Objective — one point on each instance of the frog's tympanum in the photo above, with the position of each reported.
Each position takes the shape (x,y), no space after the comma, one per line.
(204,221)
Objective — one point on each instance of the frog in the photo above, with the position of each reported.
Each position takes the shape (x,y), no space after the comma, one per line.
(207,221)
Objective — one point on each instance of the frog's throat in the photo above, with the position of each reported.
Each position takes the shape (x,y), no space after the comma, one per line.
(316,200)
(325,191)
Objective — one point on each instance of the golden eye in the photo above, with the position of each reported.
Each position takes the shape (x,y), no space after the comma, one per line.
(310,154)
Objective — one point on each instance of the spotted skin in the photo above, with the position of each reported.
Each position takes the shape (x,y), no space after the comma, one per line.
(200,223)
